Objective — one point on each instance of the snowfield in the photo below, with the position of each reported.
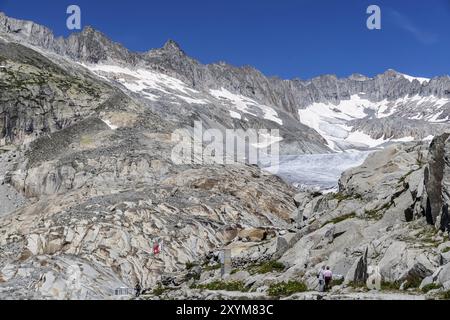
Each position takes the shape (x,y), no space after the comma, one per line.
(152,85)
(330,120)
(246,105)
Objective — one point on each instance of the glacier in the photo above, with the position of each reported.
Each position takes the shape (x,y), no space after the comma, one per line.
(320,172)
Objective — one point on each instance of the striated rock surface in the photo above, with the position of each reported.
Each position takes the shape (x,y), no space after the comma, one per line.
(374,226)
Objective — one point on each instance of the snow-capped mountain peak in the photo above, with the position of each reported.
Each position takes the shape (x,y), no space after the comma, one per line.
(420,79)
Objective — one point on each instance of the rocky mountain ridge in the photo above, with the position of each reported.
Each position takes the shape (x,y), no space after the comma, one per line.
(422,105)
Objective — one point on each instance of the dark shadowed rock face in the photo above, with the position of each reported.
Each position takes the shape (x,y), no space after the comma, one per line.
(445,218)
(38,96)
(436,182)
(92,46)
(361,270)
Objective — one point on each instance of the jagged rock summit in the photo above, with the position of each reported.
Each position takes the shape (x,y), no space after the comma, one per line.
(173,47)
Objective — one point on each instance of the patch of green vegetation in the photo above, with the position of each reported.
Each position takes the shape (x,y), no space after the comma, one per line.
(284,289)
(85,140)
(420,159)
(222,285)
(212,267)
(445,295)
(160,290)
(430,243)
(390,286)
(357,197)
(373,214)
(337,282)
(428,237)
(431,286)
(446,250)
(357,285)
(378,213)
(340,219)
(190,265)
(386,206)
(195,276)
(267,267)
(403,179)
(412,282)
(339,196)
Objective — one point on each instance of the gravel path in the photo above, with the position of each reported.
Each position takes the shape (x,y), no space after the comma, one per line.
(371,295)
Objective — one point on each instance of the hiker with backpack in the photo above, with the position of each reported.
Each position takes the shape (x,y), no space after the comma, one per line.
(328,275)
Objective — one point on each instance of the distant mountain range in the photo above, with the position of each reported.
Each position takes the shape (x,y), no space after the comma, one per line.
(319,115)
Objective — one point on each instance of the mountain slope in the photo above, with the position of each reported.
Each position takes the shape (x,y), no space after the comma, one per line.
(101,187)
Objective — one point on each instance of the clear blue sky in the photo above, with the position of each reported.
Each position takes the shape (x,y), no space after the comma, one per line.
(287,38)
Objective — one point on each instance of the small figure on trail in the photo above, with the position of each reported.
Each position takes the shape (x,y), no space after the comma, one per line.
(156,248)
(138,289)
(321,277)
(328,278)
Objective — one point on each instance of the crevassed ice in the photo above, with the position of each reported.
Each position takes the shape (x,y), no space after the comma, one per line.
(317,171)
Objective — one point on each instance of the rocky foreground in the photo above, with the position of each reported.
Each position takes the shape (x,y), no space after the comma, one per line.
(390,215)
(76,238)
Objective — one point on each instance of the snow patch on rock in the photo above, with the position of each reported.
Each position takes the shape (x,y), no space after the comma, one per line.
(420,79)
(332,121)
(247,105)
(148,83)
